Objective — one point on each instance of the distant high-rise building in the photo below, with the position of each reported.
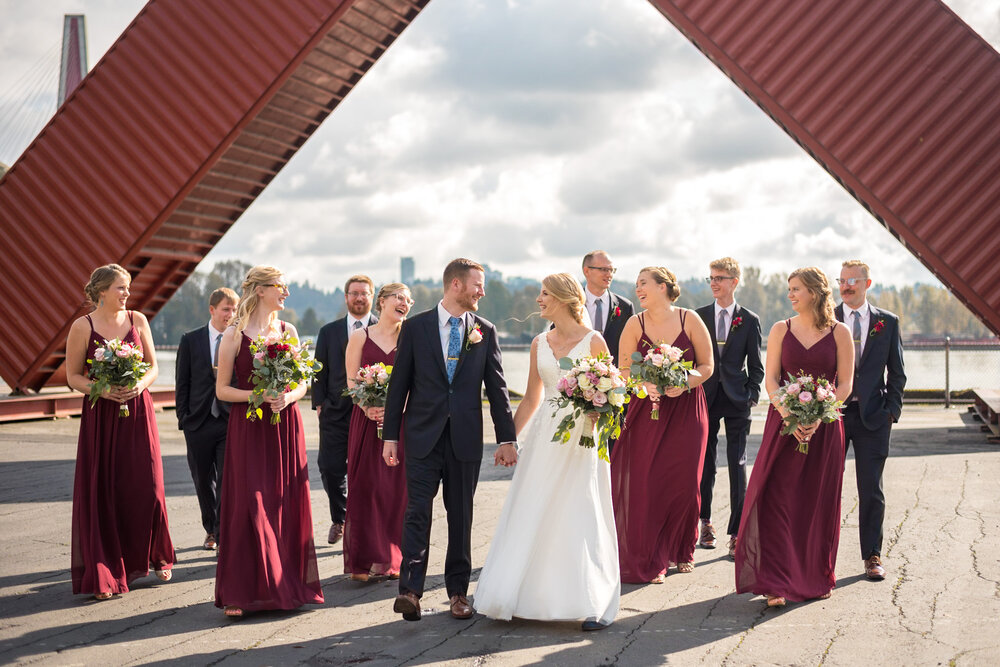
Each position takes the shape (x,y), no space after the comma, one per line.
(407,269)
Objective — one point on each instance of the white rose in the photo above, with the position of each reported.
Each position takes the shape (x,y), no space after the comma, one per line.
(605,384)
(584,382)
(616,399)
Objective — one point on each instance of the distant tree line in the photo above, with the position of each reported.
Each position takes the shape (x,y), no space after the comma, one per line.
(924,310)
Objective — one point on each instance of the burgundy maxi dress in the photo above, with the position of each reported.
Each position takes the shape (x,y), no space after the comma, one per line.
(119,512)
(656,477)
(267,559)
(790,528)
(376,502)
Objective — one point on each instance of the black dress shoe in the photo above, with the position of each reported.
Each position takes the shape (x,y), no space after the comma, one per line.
(407,604)
(592,624)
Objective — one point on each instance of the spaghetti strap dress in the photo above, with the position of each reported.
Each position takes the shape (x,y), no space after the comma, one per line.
(119,526)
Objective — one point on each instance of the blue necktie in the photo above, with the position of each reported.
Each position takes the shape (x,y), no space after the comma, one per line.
(454,346)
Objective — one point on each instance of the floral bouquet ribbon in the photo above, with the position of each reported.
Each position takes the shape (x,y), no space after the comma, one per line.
(591,385)
(664,366)
(116,364)
(280,364)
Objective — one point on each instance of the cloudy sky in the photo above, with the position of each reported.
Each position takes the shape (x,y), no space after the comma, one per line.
(522,135)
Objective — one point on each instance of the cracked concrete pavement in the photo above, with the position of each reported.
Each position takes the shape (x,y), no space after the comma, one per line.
(939,605)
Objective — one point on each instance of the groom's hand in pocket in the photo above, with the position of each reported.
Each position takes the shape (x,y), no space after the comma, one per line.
(506,455)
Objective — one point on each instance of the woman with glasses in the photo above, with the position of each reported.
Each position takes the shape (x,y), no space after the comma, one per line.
(373,526)
(267,559)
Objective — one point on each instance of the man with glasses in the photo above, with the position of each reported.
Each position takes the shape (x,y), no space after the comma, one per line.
(874,405)
(730,392)
(331,406)
(608,311)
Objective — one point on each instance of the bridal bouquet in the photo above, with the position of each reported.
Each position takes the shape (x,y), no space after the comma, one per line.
(280,364)
(371,386)
(591,385)
(116,364)
(807,399)
(663,366)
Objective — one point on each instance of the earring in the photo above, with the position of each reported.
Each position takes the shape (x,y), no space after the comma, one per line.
(100,303)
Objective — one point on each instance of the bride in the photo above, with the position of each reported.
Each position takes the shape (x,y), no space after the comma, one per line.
(554,556)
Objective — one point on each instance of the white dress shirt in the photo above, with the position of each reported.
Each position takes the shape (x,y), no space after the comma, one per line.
(592,300)
(730,311)
(351,320)
(444,327)
(213,335)
(865,312)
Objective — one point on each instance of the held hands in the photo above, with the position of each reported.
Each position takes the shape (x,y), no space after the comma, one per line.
(506,455)
(389,452)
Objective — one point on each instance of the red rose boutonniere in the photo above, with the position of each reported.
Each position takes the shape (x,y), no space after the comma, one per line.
(737,323)
(877,329)
(618,311)
(475,336)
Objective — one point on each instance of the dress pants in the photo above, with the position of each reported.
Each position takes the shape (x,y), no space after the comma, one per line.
(737,421)
(206,451)
(332,461)
(459,480)
(871,448)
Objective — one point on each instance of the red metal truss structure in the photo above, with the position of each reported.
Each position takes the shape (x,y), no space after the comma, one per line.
(899,101)
(175,132)
(198,105)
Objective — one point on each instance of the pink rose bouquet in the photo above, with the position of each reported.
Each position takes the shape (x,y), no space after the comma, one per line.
(591,385)
(280,364)
(664,366)
(807,399)
(116,364)
(371,387)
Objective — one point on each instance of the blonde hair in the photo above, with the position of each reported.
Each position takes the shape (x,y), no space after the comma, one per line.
(664,276)
(386,290)
(565,289)
(258,276)
(852,263)
(727,264)
(815,281)
(101,279)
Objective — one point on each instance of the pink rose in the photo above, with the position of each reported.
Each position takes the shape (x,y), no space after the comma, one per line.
(821,393)
(571,382)
(656,360)
(803,379)
(599,399)
(805,397)
(369,379)
(588,394)
(793,388)
(674,354)
(121,353)
(601,367)
(99,354)
(259,356)
(562,384)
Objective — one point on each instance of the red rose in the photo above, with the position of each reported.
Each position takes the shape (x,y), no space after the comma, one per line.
(271,351)
(618,311)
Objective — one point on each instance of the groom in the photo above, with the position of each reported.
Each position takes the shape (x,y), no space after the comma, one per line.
(444,357)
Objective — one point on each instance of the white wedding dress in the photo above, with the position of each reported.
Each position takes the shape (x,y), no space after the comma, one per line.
(554,556)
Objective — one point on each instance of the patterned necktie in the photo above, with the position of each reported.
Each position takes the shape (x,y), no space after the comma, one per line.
(216,410)
(856,334)
(454,347)
(599,316)
(357,325)
(720,332)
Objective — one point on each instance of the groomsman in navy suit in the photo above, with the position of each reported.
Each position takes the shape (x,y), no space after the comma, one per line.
(608,311)
(730,392)
(201,416)
(875,404)
(332,408)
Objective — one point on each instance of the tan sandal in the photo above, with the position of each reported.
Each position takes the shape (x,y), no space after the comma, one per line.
(825,596)
(775,601)
(659,579)
(685,568)
(164,575)
(233,612)
(360,576)
(106,595)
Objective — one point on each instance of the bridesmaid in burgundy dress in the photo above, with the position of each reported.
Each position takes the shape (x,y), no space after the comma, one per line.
(656,464)
(267,559)
(376,500)
(119,512)
(790,528)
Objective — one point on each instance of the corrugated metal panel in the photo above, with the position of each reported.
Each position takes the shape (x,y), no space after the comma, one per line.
(186,119)
(899,101)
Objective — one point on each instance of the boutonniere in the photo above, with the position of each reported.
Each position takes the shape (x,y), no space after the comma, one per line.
(475,336)
(737,323)
(618,311)
(877,329)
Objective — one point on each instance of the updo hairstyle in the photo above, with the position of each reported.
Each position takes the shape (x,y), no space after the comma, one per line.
(664,276)
(101,279)
(386,290)
(565,289)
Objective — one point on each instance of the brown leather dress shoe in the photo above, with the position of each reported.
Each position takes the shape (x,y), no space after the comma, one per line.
(407,604)
(336,533)
(874,569)
(707,538)
(460,607)
(210,543)
(732,547)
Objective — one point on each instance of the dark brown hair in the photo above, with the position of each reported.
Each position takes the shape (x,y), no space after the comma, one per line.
(664,276)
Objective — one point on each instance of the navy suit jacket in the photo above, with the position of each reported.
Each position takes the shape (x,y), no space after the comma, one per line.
(419,383)
(879,378)
(194,381)
(738,368)
(331,381)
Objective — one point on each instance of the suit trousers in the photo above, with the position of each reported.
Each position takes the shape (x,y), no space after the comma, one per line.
(871,449)
(459,480)
(206,451)
(737,421)
(332,461)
